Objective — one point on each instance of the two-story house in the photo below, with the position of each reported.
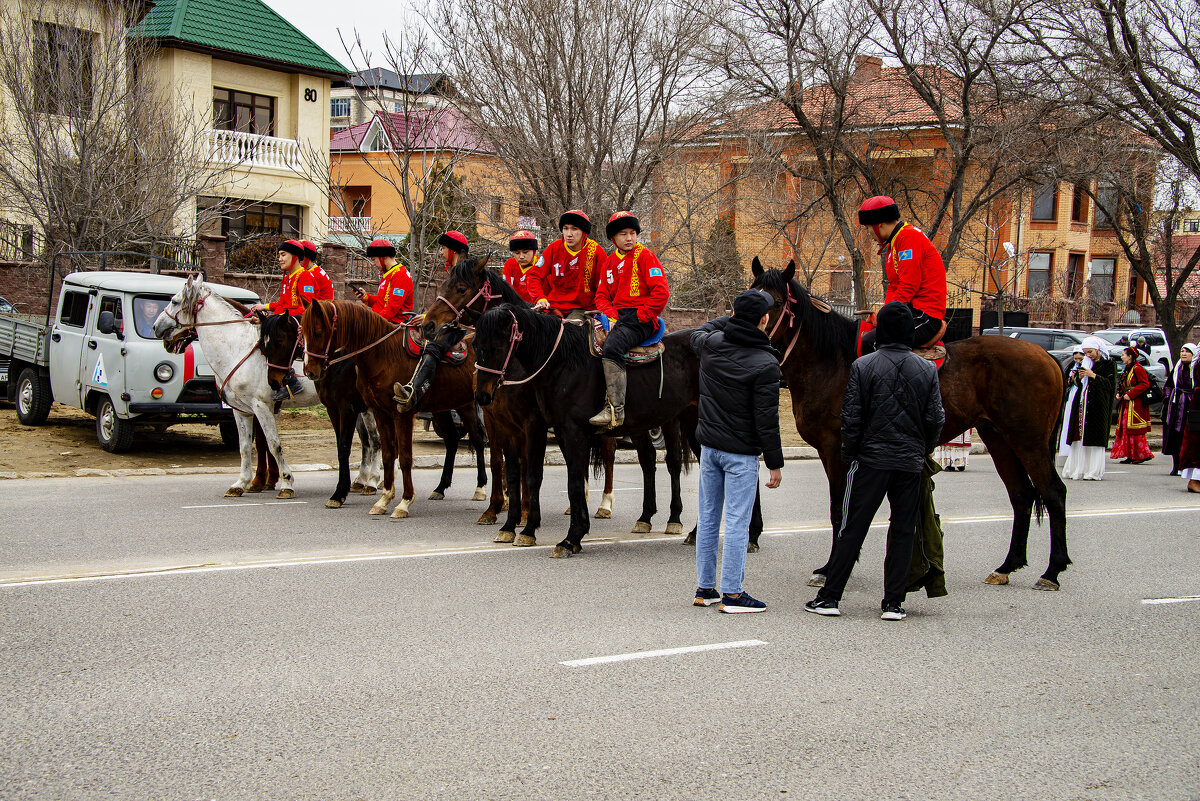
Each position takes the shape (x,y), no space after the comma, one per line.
(359,97)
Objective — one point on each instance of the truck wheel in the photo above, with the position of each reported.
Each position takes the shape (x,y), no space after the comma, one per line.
(115,434)
(229,434)
(33,397)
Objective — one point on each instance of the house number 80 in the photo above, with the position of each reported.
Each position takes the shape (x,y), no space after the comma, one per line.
(310,95)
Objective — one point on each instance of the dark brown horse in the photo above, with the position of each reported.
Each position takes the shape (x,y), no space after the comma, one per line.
(1009,390)
(339,330)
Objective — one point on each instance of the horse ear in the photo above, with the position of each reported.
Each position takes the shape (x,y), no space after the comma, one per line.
(789,271)
(756,267)
(304,301)
(482,264)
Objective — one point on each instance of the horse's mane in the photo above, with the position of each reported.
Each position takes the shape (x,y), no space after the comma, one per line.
(465,272)
(358,326)
(275,323)
(538,333)
(833,336)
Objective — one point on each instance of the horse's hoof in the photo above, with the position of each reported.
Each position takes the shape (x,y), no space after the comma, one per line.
(379,509)
(333,504)
(356,487)
(641,528)
(486,519)
(674,528)
(1046,584)
(568,512)
(480,494)
(369,490)
(752,547)
(284,494)
(817,580)
(564,551)
(690,539)
(256,488)
(603,514)
(234,492)
(400,513)
(505,536)
(997,579)
(525,540)
(436,496)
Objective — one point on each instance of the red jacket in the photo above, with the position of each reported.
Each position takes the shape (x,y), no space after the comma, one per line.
(518,279)
(315,284)
(915,272)
(395,295)
(633,280)
(289,295)
(567,281)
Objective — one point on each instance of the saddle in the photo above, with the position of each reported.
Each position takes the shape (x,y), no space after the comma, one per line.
(933,350)
(414,343)
(646,353)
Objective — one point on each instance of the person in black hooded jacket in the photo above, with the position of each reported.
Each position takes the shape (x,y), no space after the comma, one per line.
(892,419)
(739,419)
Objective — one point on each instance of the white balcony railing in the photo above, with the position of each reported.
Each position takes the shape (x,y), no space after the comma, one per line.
(255,150)
(350,225)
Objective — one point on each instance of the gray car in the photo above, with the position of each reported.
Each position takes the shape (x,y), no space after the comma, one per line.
(1155,369)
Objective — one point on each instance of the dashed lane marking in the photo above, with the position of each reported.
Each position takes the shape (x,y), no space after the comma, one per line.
(1185,599)
(239,505)
(691,649)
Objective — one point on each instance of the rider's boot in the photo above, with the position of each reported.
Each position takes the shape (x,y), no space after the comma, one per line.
(613,413)
(292,387)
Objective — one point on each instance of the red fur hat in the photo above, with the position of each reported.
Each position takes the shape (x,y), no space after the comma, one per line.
(381,248)
(454,240)
(577,218)
(619,222)
(523,240)
(310,251)
(293,247)
(878,209)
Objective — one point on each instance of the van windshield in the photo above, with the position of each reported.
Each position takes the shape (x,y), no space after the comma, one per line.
(145,312)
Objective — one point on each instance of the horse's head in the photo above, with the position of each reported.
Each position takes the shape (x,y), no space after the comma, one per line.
(778,283)
(278,341)
(460,298)
(496,336)
(319,327)
(175,325)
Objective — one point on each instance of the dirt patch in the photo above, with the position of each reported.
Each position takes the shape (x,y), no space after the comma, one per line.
(67,442)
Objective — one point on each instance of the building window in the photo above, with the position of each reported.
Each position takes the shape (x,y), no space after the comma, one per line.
(1039,273)
(356,201)
(1104,272)
(1191,226)
(1074,274)
(840,285)
(16,242)
(1045,199)
(496,207)
(1107,198)
(1079,205)
(63,70)
(339,107)
(243,111)
(244,220)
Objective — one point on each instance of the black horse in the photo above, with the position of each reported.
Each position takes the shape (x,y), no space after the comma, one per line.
(516,346)
(348,411)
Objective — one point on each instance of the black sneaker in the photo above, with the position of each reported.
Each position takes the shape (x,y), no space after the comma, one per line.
(893,612)
(819,607)
(734,604)
(706,597)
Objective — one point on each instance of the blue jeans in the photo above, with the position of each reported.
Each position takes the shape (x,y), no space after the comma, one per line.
(729,481)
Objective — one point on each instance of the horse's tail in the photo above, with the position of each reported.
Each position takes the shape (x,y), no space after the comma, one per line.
(1039,503)
(596,454)
(687,421)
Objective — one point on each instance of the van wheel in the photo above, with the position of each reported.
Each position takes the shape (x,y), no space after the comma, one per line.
(115,435)
(33,397)
(229,434)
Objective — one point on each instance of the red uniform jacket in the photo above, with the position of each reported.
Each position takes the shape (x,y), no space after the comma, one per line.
(289,294)
(315,284)
(567,281)
(395,295)
(1135,414)
(633,280)
(518,279)
(915,272)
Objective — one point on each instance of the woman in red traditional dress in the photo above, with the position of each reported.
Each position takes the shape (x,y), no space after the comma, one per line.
(1133,415)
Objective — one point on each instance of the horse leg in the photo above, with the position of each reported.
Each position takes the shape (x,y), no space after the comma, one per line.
(1049,492)
(674,468)
(343,420)
(387,445)
(535,464)
(835,472)
(497,459)
(443,425)
(370,466)
(647,458)
(1021,494)
(575,451)
(608,450)
(245,427)
(404,441)
(262,462)
(266,416)
(513,466)
(476,438)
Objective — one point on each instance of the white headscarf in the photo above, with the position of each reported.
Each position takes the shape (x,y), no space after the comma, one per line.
(1097,344)
(1188,346)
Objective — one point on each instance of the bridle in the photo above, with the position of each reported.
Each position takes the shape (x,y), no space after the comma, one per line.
(791,317)
(328,343)
(299,343)
(513,340)
(484,292)
(195,310)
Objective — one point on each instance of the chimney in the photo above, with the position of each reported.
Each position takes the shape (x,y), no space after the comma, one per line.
(867,68)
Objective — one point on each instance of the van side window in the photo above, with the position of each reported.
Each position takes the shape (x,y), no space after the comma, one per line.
(110,304)
(74,309)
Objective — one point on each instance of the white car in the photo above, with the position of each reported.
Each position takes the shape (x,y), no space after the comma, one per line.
(1154,338)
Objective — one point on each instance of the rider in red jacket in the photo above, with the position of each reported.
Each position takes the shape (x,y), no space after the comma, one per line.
(564,278)
(315,284)
(523,245)
(394,299)
(290,254)
(915,273)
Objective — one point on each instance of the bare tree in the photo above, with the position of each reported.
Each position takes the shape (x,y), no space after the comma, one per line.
(96,155)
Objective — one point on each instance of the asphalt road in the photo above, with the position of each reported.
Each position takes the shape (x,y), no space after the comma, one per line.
(158,641)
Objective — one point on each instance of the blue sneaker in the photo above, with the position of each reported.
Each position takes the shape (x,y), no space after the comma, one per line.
(290,388)
(735,604)
(706,597)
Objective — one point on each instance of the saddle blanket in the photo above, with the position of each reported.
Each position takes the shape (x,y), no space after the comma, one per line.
(646,353)
(414,342)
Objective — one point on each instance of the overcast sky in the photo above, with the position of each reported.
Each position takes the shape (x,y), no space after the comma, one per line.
(322,19)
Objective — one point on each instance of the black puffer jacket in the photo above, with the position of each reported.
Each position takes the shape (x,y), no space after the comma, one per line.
(892,412)
(739,389)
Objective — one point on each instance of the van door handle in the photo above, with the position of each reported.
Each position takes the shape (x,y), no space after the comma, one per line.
(92,344)
(56,337)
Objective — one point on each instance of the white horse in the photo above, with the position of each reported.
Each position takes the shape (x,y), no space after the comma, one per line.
(231,346)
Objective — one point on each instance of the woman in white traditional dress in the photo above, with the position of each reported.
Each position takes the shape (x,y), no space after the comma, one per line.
(1087,417)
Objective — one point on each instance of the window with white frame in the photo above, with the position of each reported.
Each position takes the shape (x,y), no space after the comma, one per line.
(339,107)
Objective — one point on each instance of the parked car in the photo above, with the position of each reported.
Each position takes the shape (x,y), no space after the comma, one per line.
(1157,370)
(1050,339)
(1155,339)
(6,307)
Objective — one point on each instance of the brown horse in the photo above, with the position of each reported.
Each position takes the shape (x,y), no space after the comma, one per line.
(377,348)
(1009,390)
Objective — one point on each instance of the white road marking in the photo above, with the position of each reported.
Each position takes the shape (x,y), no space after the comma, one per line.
(246,503)
(379,556)
(1181,600)
(615,489)
(691,649)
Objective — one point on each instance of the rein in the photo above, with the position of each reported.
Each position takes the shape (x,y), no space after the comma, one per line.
(513,340)
(401,327)
(197,306)
(788,313)
(332,330)
(484,292)
(295,347)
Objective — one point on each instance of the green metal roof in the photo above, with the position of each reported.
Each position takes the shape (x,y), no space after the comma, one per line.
(241,28)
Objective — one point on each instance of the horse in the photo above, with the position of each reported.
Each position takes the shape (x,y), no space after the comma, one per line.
(515,345)
(338,390)
(381,359)
(1009,390)
(464,295)
(230,343)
